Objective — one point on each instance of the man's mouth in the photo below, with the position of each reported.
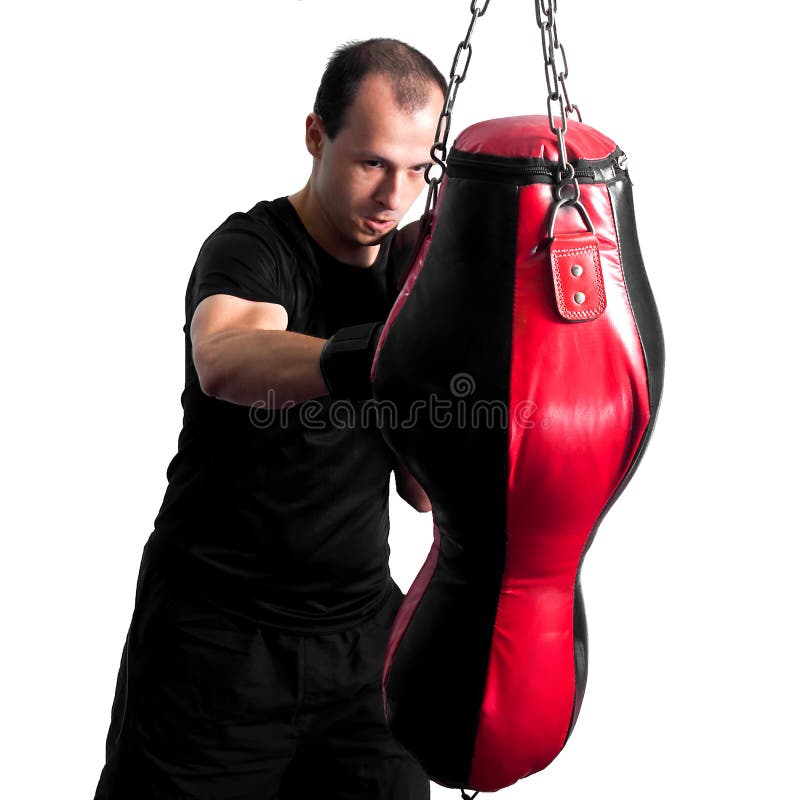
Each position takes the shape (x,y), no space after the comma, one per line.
(379,223)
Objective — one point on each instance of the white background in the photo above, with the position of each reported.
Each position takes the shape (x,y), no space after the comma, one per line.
(131,130)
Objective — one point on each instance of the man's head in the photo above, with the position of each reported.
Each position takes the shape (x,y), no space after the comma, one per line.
(371,132)
(411,74)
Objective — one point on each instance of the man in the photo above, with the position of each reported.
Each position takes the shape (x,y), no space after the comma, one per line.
(264,601)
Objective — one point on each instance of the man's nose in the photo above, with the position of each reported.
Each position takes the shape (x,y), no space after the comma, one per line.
(390,191)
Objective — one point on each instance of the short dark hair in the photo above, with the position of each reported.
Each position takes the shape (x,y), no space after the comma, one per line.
(410,72)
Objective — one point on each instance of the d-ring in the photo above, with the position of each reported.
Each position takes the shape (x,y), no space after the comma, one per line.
(568,202)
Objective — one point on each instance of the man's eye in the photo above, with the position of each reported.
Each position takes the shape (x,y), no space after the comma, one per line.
(373,163)
(420,168)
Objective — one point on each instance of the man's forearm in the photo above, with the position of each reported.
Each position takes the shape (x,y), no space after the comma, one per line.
(272,366)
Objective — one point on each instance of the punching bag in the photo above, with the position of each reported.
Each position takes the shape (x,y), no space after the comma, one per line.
(523,362)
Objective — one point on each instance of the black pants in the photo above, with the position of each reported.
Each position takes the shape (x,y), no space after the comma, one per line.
(208,708)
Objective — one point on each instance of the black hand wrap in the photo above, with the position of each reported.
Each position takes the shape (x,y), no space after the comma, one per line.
(346,360)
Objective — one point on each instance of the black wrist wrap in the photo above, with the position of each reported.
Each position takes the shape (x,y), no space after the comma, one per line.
(346,360)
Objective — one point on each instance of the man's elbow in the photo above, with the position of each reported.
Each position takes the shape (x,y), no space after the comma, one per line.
(209,383)
(418,500)
(424,505)
(207,375)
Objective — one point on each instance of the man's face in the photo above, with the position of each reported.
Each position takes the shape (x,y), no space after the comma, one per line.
(370,174)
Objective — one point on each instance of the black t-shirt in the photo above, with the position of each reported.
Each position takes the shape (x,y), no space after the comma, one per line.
(281,517)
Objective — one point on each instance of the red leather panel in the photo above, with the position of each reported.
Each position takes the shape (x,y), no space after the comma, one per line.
(530,137)
(578,409)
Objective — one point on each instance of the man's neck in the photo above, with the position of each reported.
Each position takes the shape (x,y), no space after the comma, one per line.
(321,231)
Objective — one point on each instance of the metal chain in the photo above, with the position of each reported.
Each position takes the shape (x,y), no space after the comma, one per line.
(458,71)
(556,72)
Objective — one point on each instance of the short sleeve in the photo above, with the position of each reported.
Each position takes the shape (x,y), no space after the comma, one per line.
(242,264)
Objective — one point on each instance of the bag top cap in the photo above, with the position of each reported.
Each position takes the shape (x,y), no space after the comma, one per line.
(531,137)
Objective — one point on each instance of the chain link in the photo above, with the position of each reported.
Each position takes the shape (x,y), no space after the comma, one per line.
(559,106)
(458,72)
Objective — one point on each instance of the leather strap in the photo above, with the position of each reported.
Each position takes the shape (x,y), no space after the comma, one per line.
(577,277)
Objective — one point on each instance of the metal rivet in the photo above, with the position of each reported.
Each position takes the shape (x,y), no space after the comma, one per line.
(577,270)
(579,297)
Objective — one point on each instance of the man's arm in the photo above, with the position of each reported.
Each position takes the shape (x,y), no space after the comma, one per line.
(409,489)
(243,353)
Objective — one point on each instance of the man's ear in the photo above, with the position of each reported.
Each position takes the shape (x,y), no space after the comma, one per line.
(315,134)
